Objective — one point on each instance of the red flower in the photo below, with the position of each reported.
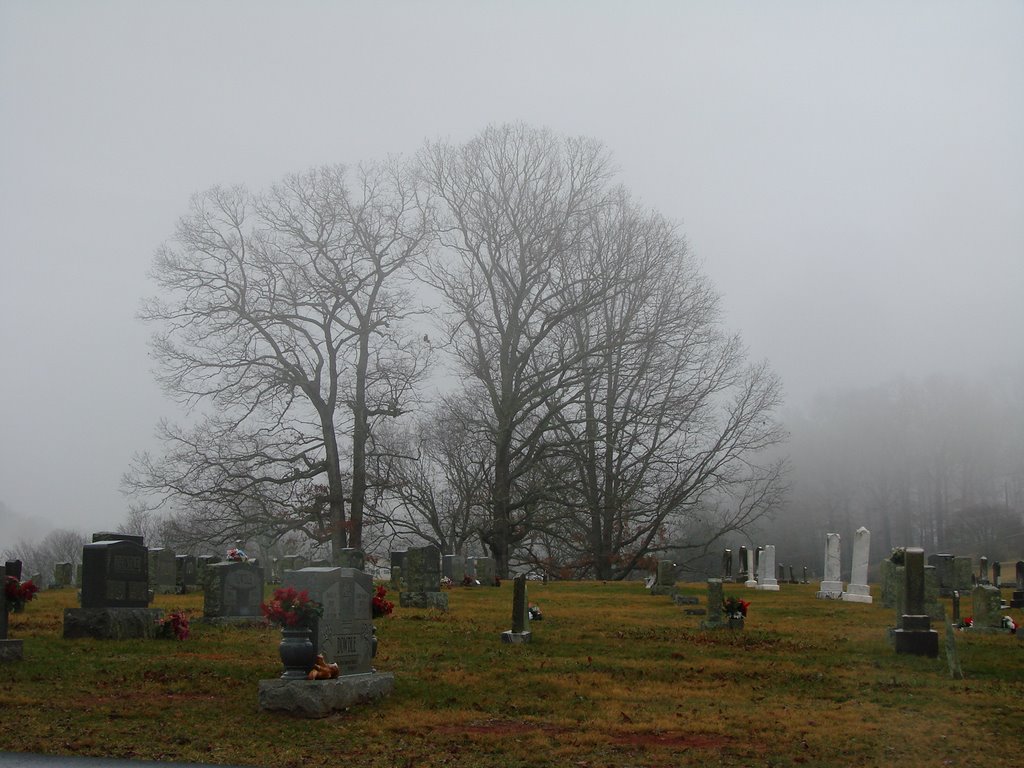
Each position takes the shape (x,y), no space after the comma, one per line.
(291,608)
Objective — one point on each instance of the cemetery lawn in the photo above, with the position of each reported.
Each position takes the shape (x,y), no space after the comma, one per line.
(613,677)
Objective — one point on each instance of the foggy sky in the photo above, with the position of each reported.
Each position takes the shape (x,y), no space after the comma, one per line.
(851,174)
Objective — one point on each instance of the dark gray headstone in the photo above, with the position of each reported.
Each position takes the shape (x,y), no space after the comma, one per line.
(232,590)
(344,634)
(63,574)
(520,632)
(350,557)
(986,603)
(915,634)
(115,574)
(185,571)
(422,569)
(963,574)
(744,564)
(727,564)
(3,603)
(13,568)
(714,609)
(454,568)
(997,572)
(162,571)
(484,567)
(983,570)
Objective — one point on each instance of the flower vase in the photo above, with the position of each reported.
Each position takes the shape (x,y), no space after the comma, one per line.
(298,653)
(736,622)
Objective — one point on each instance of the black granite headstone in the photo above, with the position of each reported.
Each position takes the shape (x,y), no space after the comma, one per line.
(115,574)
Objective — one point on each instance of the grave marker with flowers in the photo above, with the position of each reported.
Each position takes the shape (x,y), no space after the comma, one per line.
(14,592)
(344,636)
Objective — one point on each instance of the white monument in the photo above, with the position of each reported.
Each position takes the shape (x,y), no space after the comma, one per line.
(858,590)
(832,586)
(766,578)
(753,571)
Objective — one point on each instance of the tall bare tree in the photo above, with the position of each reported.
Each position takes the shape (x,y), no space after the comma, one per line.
(514,205)
(666,434)
(285,316)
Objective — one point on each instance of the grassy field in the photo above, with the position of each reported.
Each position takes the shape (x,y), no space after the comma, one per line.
(614,677)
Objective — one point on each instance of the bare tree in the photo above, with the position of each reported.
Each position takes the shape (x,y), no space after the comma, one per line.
(667,432)
(286,317)
(435,479)
(57,546)
(514,205)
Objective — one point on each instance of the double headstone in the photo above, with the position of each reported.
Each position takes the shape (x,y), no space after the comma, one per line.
(858,590)
(115,592)
(831,587)
(422,579)
(915,634)
(520,632)
(232,593)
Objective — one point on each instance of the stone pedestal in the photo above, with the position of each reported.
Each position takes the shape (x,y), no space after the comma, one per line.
(111,623)
(319,698)
(917,637)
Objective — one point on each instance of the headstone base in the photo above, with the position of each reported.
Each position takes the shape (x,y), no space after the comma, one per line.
(662,589)
(830,590)
(508,636)
(750,584)
(769,585)
(318,698)
(854,597)
(111,623)
(920,642)
(11,650)
(685,600)
(438,600)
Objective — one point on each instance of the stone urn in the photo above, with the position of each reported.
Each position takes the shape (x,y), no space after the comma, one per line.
(297,652)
